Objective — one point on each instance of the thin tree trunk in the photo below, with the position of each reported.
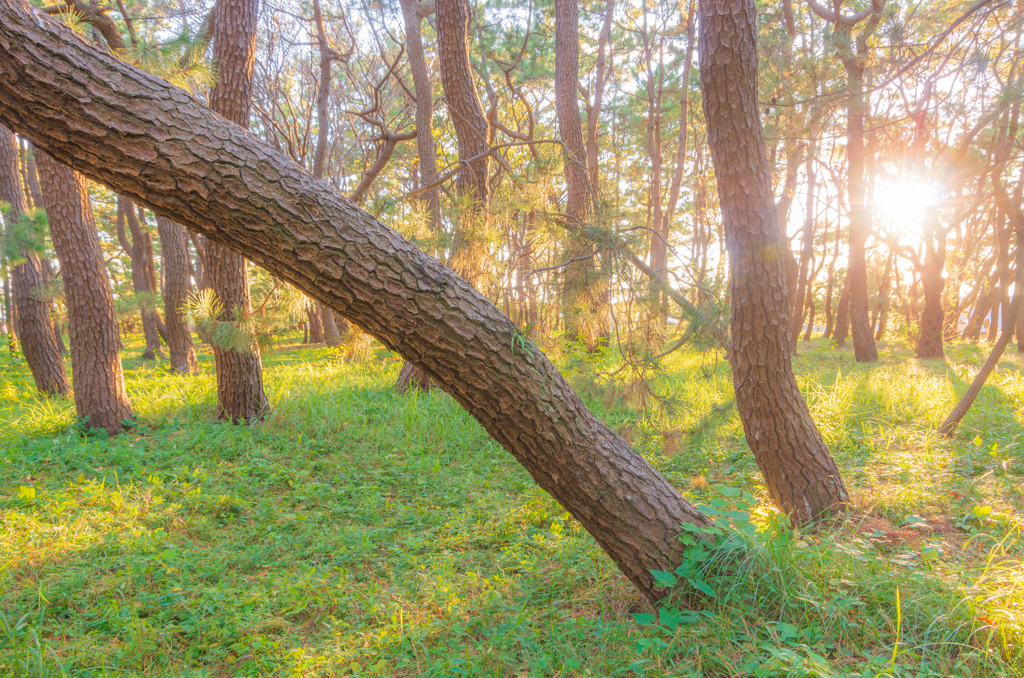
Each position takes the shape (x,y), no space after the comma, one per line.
(929,339)
(602,72)
(853,54)
(883,297)
(332,337)
(801,475)
(236,189)
(177,288)
(842,329)
(141,281)
(100,396)
(424,90)
(857,272)
(316,328)
(12,335)
(806,250)
(38,339)
(948,427)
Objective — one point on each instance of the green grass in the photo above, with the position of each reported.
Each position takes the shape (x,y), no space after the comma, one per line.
(357,532)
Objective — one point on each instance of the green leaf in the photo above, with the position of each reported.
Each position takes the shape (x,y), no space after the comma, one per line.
(702,587)
(664,579)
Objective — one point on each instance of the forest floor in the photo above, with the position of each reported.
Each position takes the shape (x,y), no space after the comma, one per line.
(359,532)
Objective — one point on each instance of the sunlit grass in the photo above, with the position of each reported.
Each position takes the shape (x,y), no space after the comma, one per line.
(358,532)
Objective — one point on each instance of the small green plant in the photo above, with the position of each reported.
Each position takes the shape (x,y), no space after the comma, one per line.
(521,340)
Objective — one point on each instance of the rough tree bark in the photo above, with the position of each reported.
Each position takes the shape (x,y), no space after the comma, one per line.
(100,396)
(38,339)
(177,287)
(801,475)
(161,147)
(581,308)
(240,395)
(471,130)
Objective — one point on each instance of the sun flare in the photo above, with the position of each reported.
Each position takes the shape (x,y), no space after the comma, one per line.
(902,205)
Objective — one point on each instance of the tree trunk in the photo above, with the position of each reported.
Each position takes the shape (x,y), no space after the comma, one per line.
(857,272)
(12,335)
(100,397)
(38,339)
(316,327)
(883,296)
(177,288)
(948,427)
(472,133)
(602,72)
(424,90)
(806,250)
(166,151)
(581,294)
(332,337)
(240,393)
(139,255)
(929,338)
(654,92)
(801,475)
(842,330)
(782,207)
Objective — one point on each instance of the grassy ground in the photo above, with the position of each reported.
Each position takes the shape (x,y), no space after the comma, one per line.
(357,532)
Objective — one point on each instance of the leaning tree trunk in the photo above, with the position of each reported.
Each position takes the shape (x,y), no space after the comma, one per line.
(100,397)
(240,393)
(38,339)
(163,148)
(177,287)
(948,427)
(801,475)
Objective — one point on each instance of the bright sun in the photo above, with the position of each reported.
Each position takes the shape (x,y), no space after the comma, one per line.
(901,206)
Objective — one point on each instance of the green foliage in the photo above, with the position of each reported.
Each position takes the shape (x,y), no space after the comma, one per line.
(235,332)
(181,60)
(24,235)
(241,331)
